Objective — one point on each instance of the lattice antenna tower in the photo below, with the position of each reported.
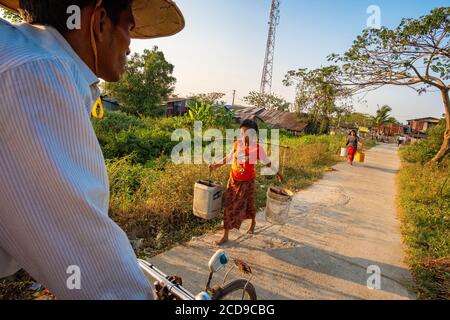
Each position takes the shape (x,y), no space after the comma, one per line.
(266,81)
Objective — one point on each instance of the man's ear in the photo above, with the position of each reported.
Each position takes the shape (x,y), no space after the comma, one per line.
(101,21)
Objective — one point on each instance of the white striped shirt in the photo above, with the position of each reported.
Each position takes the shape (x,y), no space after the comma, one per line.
(54,190)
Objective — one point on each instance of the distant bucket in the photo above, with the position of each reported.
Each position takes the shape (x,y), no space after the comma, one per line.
(360,157)
(277,206)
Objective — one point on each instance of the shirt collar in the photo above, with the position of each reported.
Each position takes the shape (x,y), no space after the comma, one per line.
(54,42)
(90,76)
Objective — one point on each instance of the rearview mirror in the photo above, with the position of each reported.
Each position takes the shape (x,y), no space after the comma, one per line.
(218,261)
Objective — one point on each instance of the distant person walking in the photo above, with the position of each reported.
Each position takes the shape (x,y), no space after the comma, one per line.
(400,141)
(352,143)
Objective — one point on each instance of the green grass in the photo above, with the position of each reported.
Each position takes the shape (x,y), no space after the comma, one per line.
(423,151)
(424,200)
(425,206)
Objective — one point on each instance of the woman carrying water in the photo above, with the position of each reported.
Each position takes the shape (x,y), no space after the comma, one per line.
(240,196)
(352,143)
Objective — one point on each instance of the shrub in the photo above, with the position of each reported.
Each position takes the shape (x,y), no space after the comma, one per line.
(121,135)
(423,151)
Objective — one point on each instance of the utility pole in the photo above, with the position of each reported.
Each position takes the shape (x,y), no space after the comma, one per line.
(274,21)
(234,96)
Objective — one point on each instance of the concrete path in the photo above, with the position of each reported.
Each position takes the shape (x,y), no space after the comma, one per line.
(338,227)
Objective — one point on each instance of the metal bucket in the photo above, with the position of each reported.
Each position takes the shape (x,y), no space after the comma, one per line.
(207,199)
(277,206)
(344,152)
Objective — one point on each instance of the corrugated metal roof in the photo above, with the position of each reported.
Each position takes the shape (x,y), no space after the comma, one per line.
(247,113)
(275,118)
(175,99)
(428,119)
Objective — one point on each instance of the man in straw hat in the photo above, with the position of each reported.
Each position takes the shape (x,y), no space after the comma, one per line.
(54,189)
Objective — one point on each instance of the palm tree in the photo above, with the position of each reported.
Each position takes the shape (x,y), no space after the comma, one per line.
(384,116)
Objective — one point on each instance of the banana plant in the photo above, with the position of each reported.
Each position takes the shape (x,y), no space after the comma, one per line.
(203,112)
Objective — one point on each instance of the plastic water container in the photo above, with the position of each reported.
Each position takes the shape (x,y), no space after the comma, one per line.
(207,199)
(277,206)
(344,152)
(360,157)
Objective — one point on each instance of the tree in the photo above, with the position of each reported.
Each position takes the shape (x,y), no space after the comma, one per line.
(356,120)
(147,82)
(208,98)
(318,96)
(383,117)
(268,101)
(416,54)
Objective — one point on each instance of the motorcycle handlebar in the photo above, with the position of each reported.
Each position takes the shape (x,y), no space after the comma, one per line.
(177,290)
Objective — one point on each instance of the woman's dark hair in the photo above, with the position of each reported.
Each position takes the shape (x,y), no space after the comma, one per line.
(356,133)
(250,124)
(54,12)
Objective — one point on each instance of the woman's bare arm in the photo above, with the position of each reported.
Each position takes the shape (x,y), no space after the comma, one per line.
(224,161)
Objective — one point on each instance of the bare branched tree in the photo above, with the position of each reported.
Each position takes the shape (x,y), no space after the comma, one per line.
(319,96)
(416,54)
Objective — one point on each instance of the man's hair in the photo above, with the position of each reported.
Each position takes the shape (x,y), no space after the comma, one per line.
(54,12)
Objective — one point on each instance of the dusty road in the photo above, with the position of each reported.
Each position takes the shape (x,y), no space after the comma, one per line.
(339,227)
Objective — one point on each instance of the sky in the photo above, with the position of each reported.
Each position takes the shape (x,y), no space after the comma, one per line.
(223,46)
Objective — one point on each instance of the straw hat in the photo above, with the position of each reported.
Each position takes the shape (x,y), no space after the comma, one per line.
(153,18)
